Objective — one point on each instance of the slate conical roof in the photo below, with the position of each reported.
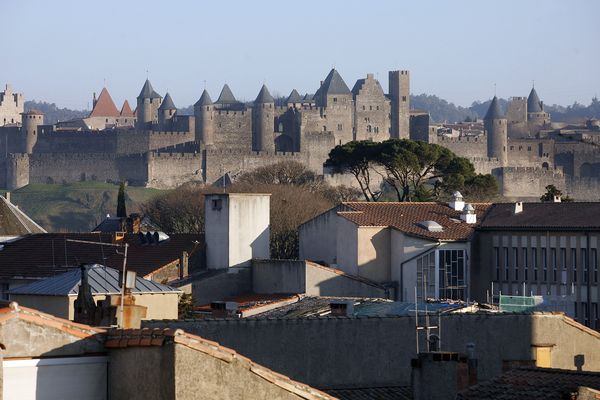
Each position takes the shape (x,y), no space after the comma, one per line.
(167,103)
(494,111)
(264,96)
(533,102)
(294,97)
(148,92)
(105,106)
(334,84)
(226,96)
(204,100)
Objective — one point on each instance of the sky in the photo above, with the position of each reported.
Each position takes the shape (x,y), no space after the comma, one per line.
(62,51)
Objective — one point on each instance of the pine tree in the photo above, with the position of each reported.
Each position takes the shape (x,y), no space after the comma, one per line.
(121,209)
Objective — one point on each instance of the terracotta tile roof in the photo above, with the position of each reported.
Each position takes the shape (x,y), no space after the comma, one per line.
(378,393)
(105,106)
(13,310)
(533,384)
(406,217)
(14,222)
(119,338)
(46,254)
(544,216)
(126,110)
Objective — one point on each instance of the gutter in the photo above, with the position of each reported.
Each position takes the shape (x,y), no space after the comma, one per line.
(439,243)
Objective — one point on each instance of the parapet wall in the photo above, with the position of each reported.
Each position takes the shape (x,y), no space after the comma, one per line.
(77,167)
(528,182)
(168,170)
(377,351)
(465,146)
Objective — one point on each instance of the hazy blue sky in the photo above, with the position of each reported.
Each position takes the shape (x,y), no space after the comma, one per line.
(61,51)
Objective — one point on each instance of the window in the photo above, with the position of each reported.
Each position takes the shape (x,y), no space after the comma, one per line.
(364,108)
(516,262)
(324,128)
(403,98)
(370,108)
(534,263)
(497,262)
(586,315)
(217,204)
(563,265)
(553,260)
(574,263)
(594,256)
(426,277)
(505,251)
(452,274)
(585,264)
(339,127)
(525,265)
(545,265)
(335,99)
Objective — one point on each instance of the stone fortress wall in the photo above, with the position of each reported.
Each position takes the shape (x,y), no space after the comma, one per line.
(226,137)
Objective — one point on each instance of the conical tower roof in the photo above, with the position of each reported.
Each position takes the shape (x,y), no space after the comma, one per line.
(105,106)
(204,100)
(226,96)
(167,103)
(294,97)
(533,102)
(126,110)
(334,84)
(148,92)
(494,111)
(264,96)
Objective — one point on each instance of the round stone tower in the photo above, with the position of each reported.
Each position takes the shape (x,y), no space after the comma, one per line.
(30,121)
(203,111)
(496,126)
(148,103)
(166,112)
(264,121)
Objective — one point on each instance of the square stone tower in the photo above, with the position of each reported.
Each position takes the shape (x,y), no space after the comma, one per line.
(399,92)
(236,227)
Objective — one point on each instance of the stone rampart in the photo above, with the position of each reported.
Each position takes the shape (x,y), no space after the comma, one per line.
(169,170)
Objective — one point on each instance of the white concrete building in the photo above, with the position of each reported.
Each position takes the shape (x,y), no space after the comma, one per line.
(237,229)
(407,245)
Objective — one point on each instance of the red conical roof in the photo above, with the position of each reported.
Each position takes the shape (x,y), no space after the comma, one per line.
(126,110)
(105,106)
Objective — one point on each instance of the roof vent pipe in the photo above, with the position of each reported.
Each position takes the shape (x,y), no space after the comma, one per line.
(468,215)
(518,207)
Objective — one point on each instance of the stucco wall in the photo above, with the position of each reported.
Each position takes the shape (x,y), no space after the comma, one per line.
(377,351)
(318,238)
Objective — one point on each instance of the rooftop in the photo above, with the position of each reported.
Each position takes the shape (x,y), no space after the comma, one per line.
(544,216)
(14,222)
(409,218)
(378,393)
(533,102)
(159,337)
(334,84)
(43,255)
(167,103)
(148,92)
(104,106)
(226,96)
(533,384)
(102,280)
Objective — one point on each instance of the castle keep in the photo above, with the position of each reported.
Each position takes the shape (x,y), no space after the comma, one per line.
(156,146)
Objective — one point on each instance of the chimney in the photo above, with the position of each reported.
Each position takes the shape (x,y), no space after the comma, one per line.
(556,199)
(344,308)
(184,265)
(134,223)
(85,307)
(438,375)
(518,207)
(457,203)
(468,215)
(7,196)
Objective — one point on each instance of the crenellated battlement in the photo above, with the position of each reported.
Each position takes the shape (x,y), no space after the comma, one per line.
(462,139)
(174,156)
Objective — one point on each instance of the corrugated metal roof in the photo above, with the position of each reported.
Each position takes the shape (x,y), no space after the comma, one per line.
(102,280)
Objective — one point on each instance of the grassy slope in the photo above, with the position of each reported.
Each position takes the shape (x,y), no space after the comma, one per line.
(77,207)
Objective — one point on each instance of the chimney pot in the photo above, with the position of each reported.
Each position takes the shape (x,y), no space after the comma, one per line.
(518,207)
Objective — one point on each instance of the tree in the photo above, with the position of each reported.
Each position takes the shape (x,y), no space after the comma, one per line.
(121,208)
(185,308)
(358,159)
(552,191)
(178,211)
(415,171)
